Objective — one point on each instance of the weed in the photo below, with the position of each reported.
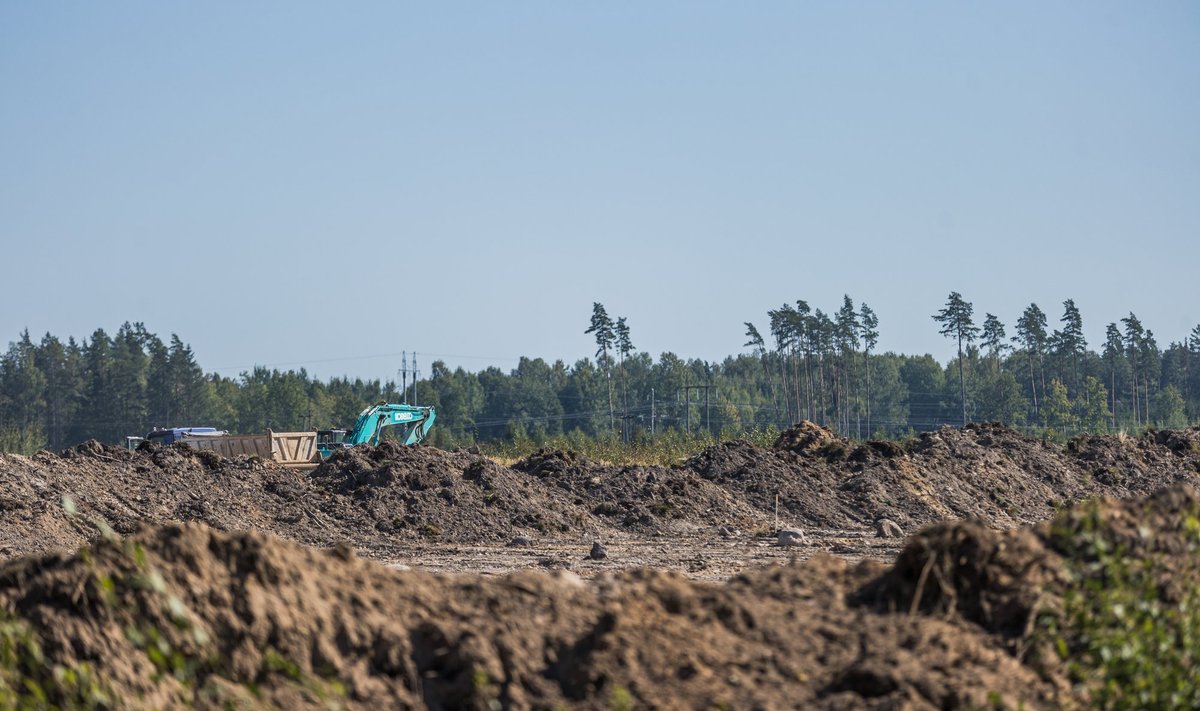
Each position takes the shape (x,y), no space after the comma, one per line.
(620,699)
(28,680)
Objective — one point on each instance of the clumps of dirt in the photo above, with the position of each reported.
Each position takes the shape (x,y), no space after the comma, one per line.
(811,438)
(640,499)
(382,499)
(453,496)
(59,502)
(183,615)
(985,471)
(1003,581)
(1135,465)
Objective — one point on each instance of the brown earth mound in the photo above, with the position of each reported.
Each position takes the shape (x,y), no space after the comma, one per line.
(385,499)
(453,496)
(986,471)
(641,499)
(185,615)
(124,489)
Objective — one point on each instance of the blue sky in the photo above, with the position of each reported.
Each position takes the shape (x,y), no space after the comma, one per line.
(303,184)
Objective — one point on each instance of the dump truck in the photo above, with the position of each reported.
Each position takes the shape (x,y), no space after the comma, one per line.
(294,450)
(303,450)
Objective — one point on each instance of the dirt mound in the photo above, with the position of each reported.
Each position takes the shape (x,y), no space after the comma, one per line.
(121,489)
(811,438)
(985,471)
(1136,465)
(185,615)
(384,499)
(641,499)
(454,496)
(1007,582)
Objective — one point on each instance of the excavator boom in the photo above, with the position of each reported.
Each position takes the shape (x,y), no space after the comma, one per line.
(415,421)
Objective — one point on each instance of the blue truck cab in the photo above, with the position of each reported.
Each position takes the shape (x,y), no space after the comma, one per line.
(172,435)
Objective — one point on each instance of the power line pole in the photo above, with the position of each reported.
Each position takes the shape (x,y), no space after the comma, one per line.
(687,395)
(404,372)
(416,374)
(651,413)
(404,376)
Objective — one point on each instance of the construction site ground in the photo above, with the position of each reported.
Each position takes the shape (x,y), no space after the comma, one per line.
(418,578)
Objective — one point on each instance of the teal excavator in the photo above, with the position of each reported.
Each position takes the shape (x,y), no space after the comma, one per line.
(415,422)
(303,450)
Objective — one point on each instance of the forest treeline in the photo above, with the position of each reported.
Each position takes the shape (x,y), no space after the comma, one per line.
(805,364)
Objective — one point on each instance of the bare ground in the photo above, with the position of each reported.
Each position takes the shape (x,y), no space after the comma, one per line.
(189,595)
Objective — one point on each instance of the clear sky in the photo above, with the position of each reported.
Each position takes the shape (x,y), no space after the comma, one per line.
(321,184)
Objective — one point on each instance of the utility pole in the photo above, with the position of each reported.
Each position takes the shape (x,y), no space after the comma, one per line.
(687,402)
(416,374)
(404,377)
(651,413)
(404,373)
(707,419)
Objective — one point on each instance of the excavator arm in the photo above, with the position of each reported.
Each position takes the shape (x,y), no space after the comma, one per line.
(415,420)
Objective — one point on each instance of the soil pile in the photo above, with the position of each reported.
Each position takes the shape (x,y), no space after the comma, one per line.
(120,489)
(385,499)
(640,499)
(185,615)
(454,496)
(987,471)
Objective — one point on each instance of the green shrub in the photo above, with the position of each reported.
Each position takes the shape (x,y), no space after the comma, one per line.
(1120,640)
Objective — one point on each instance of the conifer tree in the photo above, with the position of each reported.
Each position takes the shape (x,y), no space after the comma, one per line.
(994,340)
(870,337)
(1031,334)
(957,324)
(1071,341)
(1114,349)
(602,327)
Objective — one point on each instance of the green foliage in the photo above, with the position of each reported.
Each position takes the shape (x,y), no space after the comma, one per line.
(816,366)
(620,699)
(1119,638)
(1058,412)
(28,680)
(22,440)
(1168,408)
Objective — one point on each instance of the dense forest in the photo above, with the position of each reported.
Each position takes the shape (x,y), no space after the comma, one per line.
(818,366)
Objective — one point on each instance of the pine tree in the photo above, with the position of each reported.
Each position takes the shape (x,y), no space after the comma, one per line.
(870,338)
(1114,350)
(1134,336)
(759,346)
(956,323)
(602,327)
(1071,341)
(1031,334)
(994,340)
(624,347)
(846,334)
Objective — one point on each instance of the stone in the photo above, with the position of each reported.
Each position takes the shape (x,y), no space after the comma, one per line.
(887,528)
(791,537)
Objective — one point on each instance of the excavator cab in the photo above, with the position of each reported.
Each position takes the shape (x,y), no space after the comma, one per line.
(331,439)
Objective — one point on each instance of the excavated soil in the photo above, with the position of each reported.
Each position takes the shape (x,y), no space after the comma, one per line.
(388,501)
(189,593)
(985,471)
(184,615)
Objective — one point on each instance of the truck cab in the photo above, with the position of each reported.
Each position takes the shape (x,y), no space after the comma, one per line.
(172,435)
(331,439)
